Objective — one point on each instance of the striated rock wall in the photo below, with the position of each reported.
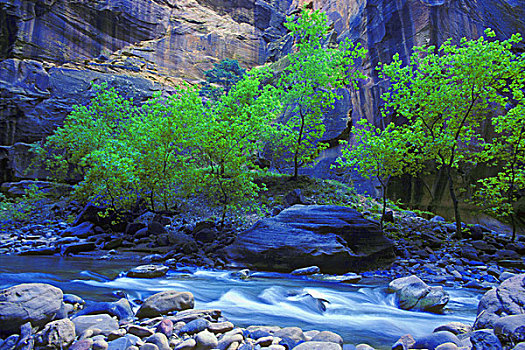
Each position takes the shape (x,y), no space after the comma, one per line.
(51,50)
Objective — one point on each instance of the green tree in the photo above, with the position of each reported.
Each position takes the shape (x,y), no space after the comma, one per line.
(225,74)
(446,92)
(309,83)
(381,154)
(497,194)
(234,129)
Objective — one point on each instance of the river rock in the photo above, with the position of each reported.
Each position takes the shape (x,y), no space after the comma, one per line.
(165,327)
(414,294)
(37,303)
(148,271)
(83,230)
(510,329)
(160,340)
(187,344)
(432,341)
(206,340)
(337,239)
(327,336)
(103,322)
(57,334)
(318,345)
(305,271)
(120,309)
(505,300)
(195,326)
(82,344)
(485,339)
(164,302)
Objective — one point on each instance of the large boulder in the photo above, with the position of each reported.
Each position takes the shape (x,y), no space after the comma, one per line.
(505,300)
(165,302)
(37,303)
(337,239)
(414,294)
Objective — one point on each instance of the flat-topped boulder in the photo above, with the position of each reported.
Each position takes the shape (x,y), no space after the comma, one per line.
(37,303)
(337,239)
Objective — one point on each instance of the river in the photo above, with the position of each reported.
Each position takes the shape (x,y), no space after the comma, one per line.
(360,313)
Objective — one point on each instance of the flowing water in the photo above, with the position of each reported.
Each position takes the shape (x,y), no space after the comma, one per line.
(360,313)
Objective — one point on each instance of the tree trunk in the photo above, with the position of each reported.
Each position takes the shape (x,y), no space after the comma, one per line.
(454,202)
(384,207)
(513,223)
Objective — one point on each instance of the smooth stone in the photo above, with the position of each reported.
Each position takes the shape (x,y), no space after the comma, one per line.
(414,294)
(83,344)
(310,334)
(520,346)
(225,342)
(160,340)
(485,339)
(206,340)
(220,327)
(104,322)
(364,347)
(73,299)
(121,343)
(58,334)
(294,333)
(165,327)
(432,341)
(194,326)
(265,341)
(318,345)
(188,344)
(510,329)
(404,343)
(190,315)
(305,271)
(149,346)
(327,336)
(148,271)
(139,331)
(120,309)
(447,346)
(100,344)
(165,302)
(37,303)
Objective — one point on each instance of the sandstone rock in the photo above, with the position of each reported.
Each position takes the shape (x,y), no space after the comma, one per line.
(58,334)
(414,294)
(103,322)
(37,303)
(294,333)
(505,300)
(165,302)
(140,331)
(337,239)
(188,344)
(195,326)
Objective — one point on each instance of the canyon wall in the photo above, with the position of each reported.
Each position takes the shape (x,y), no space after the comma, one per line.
(51,50)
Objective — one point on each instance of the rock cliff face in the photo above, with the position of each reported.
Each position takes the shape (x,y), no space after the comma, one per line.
(50,50)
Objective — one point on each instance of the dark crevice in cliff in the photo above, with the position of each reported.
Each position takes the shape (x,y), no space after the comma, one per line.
(8,33)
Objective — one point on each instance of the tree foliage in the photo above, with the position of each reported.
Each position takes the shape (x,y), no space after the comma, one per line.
(382,153)
(308,85)
(446,92)
(221,78)
(497,194)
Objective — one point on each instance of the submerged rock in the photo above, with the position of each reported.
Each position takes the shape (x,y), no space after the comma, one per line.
(414,294)
(337,239)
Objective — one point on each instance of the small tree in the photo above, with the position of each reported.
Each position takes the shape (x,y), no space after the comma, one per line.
(381,154)
(446,92)
(225,74)
(308,85)
(497,194)
(231,133)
